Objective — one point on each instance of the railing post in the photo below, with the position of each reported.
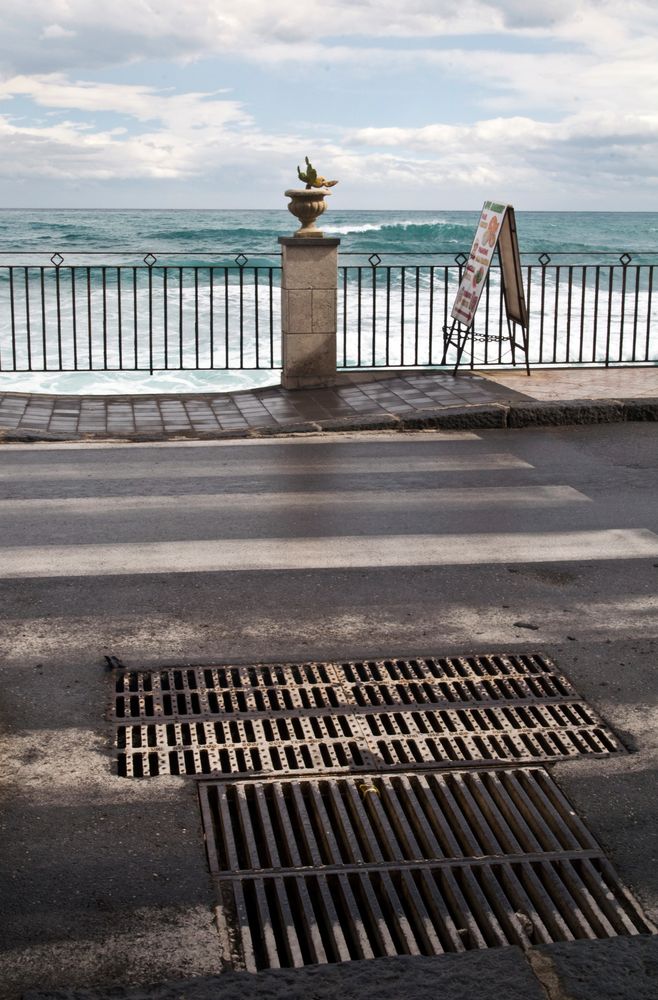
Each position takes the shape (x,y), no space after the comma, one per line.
(309,283)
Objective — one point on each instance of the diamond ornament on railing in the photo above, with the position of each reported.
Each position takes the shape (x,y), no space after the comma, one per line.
(461,259)
(241,260)
(150,259)
(625,259)
(57,259)
(544,259)
(374,259)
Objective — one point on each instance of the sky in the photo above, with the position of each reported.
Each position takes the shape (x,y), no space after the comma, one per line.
(410,104)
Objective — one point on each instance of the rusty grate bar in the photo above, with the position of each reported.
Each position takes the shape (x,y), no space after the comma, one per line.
(332,869)
(194,691)
(434,712)
(190,756)
(287,823)
(203,691)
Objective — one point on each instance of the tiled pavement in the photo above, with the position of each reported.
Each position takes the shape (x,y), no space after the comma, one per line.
(582,383)
(370,394)
(357,395)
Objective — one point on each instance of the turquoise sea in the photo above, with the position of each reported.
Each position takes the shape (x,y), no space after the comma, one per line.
(188,236)
(192,232)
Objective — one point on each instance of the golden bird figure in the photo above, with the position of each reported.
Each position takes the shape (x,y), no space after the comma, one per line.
(311,178)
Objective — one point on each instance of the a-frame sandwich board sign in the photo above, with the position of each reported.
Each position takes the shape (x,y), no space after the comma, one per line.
(496,231)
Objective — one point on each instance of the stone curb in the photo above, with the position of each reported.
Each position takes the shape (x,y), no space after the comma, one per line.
(512,415)
(618,968)
(642,408)
(481,415)
(581,411)
(486,974)
(571,411)
(367,422)
(29,437)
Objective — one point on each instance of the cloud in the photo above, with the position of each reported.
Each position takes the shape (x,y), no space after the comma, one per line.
(183,112)
(65,151)
(92,35)
(589,151)
(56,31)
(160,134)
(164,135)
(611,55)
(576,112)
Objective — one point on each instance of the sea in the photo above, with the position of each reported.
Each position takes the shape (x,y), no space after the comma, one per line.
(93,237)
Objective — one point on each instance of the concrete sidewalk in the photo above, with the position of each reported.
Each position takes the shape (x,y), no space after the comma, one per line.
(399,400)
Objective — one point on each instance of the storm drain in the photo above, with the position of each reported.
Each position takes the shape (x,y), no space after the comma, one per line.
(370,715)
(317,870)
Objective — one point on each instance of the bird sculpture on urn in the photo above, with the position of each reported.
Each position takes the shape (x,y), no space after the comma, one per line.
(311,178)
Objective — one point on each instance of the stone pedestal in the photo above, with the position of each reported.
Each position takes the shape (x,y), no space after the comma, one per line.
(308,311)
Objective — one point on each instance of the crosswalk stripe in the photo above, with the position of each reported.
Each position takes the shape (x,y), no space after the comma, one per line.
(341,552)
(332,439)
(458,497)
(328,464)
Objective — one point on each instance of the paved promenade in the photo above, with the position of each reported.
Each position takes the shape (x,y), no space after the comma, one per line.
(360,400)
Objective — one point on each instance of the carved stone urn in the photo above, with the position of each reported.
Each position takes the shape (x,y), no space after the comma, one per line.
(307,205)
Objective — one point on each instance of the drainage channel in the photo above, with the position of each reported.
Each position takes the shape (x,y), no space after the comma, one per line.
(361,809)
(329,869)
(434,712)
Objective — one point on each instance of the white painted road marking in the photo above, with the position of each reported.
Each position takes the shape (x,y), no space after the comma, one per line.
(313,438)
(334,464)
(341,552)
(458,497)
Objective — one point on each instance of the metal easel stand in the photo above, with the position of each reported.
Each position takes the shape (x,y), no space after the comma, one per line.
(458,335)
(523,346)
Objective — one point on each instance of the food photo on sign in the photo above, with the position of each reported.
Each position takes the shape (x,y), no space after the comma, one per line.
(479,260)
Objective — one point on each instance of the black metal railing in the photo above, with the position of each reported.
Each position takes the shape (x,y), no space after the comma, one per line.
(155,314)
(104,312)
(601,311)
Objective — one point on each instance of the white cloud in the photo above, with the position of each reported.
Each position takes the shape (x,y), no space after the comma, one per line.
(57,31)
(105,34)
(183,112)
(168,136)
(611,55)
(164,135)
(578,112)
(67,152)
(585,151)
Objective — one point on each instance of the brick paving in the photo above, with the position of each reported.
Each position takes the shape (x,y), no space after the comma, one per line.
(205,414)
(356,396)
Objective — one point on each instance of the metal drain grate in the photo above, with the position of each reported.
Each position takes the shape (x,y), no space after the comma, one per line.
(332,869)
(433,712)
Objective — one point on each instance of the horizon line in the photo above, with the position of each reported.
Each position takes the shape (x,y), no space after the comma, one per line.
(425,211)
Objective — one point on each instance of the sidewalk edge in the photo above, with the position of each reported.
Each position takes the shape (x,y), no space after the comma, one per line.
(501,415)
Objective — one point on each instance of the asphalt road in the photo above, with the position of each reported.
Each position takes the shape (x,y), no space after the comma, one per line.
(318,547)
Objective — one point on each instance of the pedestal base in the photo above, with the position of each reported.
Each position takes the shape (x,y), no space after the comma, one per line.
(308,311)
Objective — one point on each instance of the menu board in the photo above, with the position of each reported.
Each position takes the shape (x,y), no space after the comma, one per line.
(496,228)
(479,261)
(510,264)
